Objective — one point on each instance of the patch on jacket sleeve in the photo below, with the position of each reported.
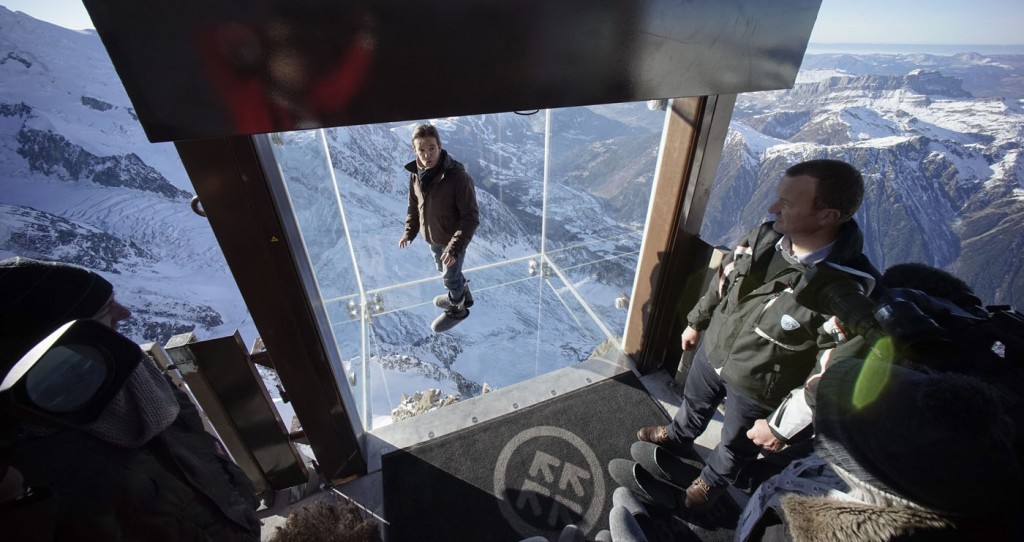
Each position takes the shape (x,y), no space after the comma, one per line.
(789,323)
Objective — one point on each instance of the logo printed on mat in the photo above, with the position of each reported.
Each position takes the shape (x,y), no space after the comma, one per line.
(563,484)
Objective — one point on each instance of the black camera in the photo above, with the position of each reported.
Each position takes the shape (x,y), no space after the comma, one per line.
(904,314)
(70,377)
(828,290)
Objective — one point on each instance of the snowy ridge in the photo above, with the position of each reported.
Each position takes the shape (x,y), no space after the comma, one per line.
(937,137)
(80,183)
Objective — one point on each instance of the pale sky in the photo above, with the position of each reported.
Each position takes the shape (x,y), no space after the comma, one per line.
(982,22)
(937,22)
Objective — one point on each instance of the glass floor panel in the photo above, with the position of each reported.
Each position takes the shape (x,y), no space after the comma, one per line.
(563,197)
(541,315)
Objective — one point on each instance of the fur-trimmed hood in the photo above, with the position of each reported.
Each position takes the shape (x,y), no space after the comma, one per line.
(813,519)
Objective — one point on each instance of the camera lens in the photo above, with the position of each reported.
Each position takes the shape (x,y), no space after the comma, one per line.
(66,377)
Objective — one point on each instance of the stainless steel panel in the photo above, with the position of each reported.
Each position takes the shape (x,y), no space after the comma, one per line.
(208,68)
(225,365)
(213,409)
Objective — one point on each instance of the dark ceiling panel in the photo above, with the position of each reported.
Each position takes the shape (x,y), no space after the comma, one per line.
(212,68)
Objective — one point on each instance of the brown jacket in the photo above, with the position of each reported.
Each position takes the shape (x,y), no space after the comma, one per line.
(442,204)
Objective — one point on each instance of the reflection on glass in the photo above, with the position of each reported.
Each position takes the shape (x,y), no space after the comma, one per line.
(568,192)
(66,377)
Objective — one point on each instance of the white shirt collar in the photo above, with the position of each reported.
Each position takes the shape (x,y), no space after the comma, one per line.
(785,246)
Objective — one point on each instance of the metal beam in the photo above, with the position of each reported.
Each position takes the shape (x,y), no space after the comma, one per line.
(214,68)
(225,366)
(230,181)
(211,407)
(673,260)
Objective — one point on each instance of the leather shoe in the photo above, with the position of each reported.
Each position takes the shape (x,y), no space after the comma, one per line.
(701,495)
(658,434)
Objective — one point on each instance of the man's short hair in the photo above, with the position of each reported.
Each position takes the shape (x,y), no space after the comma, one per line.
(840,185)
(426,130)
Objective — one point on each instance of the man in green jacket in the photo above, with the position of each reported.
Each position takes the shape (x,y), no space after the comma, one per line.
(758,342)
(442,204)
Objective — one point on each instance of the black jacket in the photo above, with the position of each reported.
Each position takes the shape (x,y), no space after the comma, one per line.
(176,487)
(763,342)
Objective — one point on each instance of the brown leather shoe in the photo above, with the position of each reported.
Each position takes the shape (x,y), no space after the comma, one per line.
(700,495)
(658,434)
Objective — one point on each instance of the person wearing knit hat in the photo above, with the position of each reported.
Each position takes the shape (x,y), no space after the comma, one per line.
(37,297)
(899,453)
(143,468)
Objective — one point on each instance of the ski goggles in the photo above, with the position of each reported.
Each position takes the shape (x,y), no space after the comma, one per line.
(69,377)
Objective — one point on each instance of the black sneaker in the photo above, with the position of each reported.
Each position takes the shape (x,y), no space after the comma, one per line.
(442,301)
(449,318)
(665,465)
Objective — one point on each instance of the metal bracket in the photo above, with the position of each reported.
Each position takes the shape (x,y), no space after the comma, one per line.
(183,358)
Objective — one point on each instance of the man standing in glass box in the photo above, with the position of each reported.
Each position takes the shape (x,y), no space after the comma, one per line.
(442,203)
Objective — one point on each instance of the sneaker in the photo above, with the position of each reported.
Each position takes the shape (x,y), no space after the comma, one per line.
(449,318)
(644,485)
(701,495)
(665,465)
(442,301)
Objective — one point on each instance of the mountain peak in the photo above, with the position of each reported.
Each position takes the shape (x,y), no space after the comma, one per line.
(933,83)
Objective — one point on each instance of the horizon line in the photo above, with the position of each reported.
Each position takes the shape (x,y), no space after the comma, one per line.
(916,44)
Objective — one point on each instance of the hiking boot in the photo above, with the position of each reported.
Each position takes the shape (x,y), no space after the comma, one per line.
(442,301)
(700,495)
(449,318)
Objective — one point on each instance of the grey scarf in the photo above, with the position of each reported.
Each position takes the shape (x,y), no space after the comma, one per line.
(143,408)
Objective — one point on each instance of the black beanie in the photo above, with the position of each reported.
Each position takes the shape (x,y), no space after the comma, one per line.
(38,297)
(941,440)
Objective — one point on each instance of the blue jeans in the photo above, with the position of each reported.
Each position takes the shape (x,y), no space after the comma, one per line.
(704,391)
(454,280)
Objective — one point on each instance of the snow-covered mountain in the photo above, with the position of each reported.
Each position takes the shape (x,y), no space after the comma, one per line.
(80,183)
(936,136)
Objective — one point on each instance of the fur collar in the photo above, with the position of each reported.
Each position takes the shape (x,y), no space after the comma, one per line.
(813,519)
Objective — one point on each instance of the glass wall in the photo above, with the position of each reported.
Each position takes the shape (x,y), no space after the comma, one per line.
(563,196)
(936,136)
